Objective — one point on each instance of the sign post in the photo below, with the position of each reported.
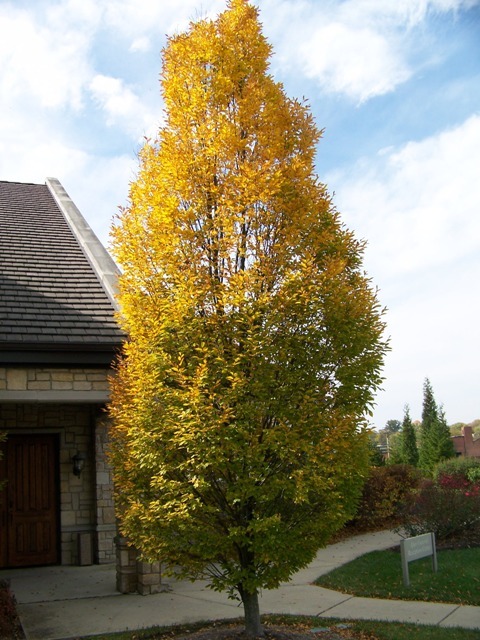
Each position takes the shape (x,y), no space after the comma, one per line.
(416,548)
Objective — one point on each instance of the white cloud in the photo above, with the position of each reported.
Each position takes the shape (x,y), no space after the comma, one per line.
(356,48)
(357,62)
(47,156)
(141,45)
(75,15)
(434,332)
(417,206)
(40,63)
(97,184)
(98,188)
(118,101)
(156,17)
(407,13)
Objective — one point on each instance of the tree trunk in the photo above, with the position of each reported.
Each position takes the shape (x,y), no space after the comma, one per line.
(253,626)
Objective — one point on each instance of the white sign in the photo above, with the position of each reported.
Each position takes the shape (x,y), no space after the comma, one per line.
(416,548)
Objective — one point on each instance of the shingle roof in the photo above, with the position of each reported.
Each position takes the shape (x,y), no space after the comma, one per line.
(51,294)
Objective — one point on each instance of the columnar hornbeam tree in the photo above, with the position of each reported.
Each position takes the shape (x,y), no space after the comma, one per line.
(255,338)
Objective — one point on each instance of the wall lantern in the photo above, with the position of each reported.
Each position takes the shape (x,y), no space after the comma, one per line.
(78,461)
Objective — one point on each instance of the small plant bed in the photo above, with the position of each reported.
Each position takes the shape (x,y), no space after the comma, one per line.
(379,575)
(300,628)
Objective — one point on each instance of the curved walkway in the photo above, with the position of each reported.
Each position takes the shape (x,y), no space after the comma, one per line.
(56,603)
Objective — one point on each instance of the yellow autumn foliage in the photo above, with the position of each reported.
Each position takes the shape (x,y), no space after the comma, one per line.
(255,338)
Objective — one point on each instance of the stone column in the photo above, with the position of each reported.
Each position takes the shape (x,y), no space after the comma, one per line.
(105,513)
(133,575)
(126,566)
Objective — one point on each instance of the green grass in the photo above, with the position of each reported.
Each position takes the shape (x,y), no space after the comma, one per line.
(400,631)
(379,575)
(377,630)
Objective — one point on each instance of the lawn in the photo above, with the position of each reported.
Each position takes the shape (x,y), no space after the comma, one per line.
(379,575)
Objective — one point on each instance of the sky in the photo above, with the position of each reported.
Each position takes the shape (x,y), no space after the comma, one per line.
(395,84)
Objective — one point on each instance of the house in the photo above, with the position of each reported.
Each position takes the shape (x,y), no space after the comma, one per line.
(58,340)
(466,445)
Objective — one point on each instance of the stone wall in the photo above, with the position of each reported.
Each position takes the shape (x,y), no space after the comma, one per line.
(86,502)
(50,379)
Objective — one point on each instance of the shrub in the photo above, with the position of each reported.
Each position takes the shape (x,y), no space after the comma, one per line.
(457,466)
(449,505)
(385,494)
(462,471)
(473,474)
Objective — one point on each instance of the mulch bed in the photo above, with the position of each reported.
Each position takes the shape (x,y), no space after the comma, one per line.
(234,631)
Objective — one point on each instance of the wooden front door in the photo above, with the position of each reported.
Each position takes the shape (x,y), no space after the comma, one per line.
(29,501)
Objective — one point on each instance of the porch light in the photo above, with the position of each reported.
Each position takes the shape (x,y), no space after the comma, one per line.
(78,463)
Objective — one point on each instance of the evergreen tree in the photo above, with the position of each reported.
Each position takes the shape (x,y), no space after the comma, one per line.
(409,440)
(429,419)
(443,443)
(429,407)
(435,441)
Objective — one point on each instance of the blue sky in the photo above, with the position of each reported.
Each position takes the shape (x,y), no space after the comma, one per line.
(395,85)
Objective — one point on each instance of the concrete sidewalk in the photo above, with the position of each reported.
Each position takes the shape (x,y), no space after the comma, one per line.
(56,603)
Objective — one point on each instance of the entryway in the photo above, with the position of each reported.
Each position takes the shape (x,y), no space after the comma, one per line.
(29,514)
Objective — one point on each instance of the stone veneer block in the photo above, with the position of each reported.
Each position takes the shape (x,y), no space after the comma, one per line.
(16,379)
(85,549)
(39,385)
(149,578)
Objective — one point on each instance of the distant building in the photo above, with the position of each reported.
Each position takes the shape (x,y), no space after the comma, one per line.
(466,445)
(58,339)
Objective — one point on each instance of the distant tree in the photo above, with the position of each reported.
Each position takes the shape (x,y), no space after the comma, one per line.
(384,435)
(429,406)
(394,453)
(429,419)
(392,426)
(377,458)
(239,441)
(456,428)
(435,442)
(444,444)
(475,424)
(409,449)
